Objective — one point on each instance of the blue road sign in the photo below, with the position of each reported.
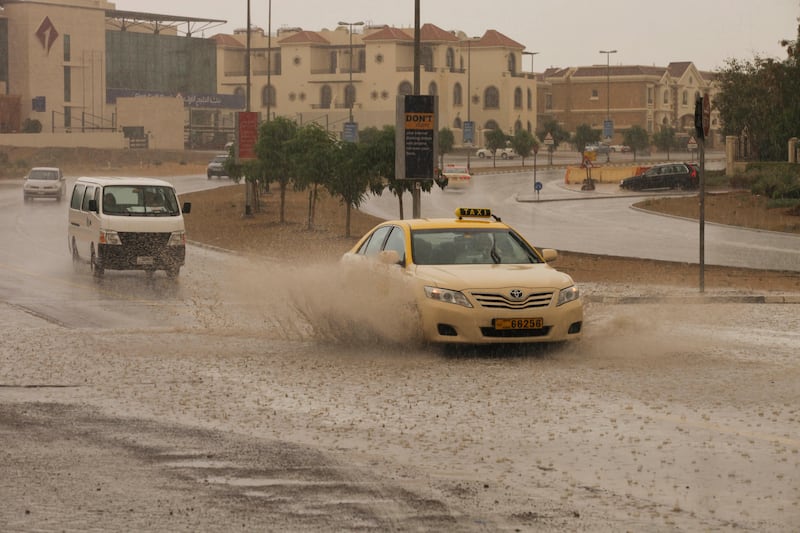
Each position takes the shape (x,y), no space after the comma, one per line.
(538,186)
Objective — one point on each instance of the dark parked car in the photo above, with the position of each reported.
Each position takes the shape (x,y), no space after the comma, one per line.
(666,176)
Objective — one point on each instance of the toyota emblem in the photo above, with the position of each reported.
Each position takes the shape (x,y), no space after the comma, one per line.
(516,294)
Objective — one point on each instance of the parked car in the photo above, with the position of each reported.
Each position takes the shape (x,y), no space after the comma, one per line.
(620,148)
(216,167)
(502,153)
(44,182)
(598,148)
(666,176)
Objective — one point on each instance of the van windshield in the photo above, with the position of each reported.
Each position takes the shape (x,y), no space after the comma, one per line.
(138,200)
(43,174)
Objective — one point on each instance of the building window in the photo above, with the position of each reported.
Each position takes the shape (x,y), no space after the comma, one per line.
(491,125)
(517,126)
(432,88)
(405,88)
(67,84)
(325,97)
(67,117)
(268,96)
(595,94)
(458,95)
(548,101)
(379,58)
(530,99)
(67,49)
(426,58)
(334,62)
(450,59)
(666,96)
(512,63)
(685,99)
(517,98)
(650,95)
(491,98)
(457,123)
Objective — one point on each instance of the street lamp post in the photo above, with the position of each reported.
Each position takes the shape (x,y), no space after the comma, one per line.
(608,91)
(532,54)
(349,94)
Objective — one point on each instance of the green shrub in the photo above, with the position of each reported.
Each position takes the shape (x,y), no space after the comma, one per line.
(774,180)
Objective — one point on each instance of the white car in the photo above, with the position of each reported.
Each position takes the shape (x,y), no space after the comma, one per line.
(44,182)
(457,177)
(472,278)
(502,153)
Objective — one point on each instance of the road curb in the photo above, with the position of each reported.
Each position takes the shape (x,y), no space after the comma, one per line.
(698,299)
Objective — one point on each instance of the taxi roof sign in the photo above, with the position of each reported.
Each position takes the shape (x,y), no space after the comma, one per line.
(476,212)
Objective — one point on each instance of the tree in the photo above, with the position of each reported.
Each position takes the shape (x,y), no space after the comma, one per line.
(555,130)
(637,138)
(350,180)
(524,144)
(665,139)
(273,149)
(584,134)
(759,98)
(312,156)
(495,140)
(446,142)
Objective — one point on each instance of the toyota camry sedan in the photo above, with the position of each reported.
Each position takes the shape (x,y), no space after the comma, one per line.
(474,279)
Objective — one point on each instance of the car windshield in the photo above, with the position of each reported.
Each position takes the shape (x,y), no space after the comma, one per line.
(137,200)
(457,246)
(220,159)
(39,174)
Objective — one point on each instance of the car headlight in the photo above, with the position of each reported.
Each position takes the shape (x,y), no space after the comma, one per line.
(447,296)
(568,295)
(110,237)
(178,238)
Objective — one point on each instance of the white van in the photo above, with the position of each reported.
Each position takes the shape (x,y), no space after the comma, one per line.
(127,224)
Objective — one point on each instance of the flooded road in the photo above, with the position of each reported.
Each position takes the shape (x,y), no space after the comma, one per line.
(248,395)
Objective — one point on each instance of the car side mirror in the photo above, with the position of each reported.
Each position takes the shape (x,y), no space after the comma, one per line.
(93,206)
(390,257)
(549,255)
(187,207)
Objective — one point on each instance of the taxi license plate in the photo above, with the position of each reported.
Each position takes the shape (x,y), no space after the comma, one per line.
(519,323)
(144,260)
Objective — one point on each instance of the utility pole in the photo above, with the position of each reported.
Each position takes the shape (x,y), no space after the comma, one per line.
(608,95)
(416,193)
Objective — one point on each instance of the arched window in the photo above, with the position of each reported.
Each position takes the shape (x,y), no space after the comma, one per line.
(325,97)
(666,96)
(349,96)
(512,63)
(530,99)
(491,125)
(517,98)
(450,59)
(426,58)
(517,126)
(685,97)
(334,62)
(458,95)
(432,88)
(268,96)
(405,88)
(457,123)
(491,98)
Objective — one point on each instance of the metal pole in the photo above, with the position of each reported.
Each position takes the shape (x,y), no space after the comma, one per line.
(349,92)
(416,193)
(248,195)
(608,90)
(469,98)
(702,145)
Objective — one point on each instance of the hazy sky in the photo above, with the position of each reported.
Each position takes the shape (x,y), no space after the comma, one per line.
(563,32)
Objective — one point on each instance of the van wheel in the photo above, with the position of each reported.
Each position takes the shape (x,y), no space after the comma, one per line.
(97,268)
(173,271)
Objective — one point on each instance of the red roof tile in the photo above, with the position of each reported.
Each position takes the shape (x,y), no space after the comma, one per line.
(303,37)
(495,38)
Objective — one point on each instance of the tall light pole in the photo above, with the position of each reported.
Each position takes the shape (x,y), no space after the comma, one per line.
(350,94)
(608,94)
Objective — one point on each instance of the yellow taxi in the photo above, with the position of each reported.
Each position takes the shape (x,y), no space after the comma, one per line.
(458,177)
(474,279)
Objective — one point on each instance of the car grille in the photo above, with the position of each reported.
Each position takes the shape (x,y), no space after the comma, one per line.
(514,333)
(145,243)
(500,301)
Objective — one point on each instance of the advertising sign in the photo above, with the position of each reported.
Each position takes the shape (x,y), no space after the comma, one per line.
(246,135)
(416,137)
(469,132)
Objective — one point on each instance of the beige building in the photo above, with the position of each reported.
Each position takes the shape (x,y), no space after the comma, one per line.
(650,97)
(308,76)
